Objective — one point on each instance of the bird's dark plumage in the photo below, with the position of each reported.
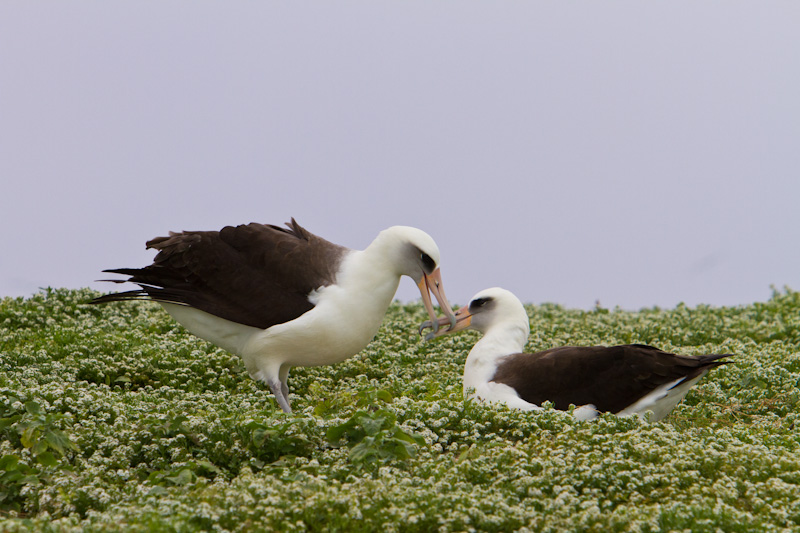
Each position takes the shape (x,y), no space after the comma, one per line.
(610,378)
(277,268)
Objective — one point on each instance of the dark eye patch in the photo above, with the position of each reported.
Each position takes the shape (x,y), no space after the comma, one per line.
(428,265)
(478,303)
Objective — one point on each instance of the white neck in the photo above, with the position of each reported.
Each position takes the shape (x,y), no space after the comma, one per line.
(499,341)
(372,278)
(367,283)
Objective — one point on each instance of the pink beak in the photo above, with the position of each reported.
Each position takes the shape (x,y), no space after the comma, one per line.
(463,321)
(433,284)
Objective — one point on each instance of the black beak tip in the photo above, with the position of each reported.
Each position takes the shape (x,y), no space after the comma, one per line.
(425,325)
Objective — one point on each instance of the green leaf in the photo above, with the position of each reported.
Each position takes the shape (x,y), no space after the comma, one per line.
(209,466)
(157,491)
(403,450)
(47,459)
(9,462)
(11,477)
(372,424)
(9,421)
(39,447)
(33,408)
(29,436)
(364,450)
(59,441)
(402,435)
(335,433)
(183,477)
(30,480)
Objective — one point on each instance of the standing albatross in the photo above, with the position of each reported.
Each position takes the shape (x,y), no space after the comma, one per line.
(626,380)
(283,297)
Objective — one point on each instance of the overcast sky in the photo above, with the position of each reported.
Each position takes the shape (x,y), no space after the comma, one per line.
(631,153)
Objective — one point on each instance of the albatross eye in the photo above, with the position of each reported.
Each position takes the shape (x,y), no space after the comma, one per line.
(477,303)
(428,265)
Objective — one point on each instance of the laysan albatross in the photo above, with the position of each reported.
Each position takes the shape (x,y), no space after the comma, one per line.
(283,297)
(630,379)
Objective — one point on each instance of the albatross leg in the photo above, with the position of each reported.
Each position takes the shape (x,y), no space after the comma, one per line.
(283,375)
(277,384)
(277,389)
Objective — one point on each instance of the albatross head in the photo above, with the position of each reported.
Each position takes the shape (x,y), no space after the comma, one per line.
(490,309)
(416,255)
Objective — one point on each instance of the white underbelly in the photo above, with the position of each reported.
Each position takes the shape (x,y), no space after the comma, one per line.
(313,339)
(226,334)
(305,341)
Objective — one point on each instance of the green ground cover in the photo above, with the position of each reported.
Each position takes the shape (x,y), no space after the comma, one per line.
(113,418)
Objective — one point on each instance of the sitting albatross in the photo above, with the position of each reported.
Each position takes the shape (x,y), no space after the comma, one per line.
(626,380)
(283,297)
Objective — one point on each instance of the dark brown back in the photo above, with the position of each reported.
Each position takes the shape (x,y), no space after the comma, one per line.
(255,274)
(611,378)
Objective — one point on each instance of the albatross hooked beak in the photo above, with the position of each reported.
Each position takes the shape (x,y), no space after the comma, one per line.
(433,284)
(463,321)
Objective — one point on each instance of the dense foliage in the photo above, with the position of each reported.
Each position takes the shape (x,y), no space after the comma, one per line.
(114,418)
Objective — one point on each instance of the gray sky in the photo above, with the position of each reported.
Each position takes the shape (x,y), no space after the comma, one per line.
(635,153)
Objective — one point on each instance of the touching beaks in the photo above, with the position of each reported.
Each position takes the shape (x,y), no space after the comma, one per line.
(463,321)
(432,284)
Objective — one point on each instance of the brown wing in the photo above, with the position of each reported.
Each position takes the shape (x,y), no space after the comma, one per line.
(255,274)
(611,378)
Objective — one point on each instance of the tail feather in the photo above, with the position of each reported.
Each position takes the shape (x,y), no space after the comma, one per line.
(713,360)
(139,294)
(124,271)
